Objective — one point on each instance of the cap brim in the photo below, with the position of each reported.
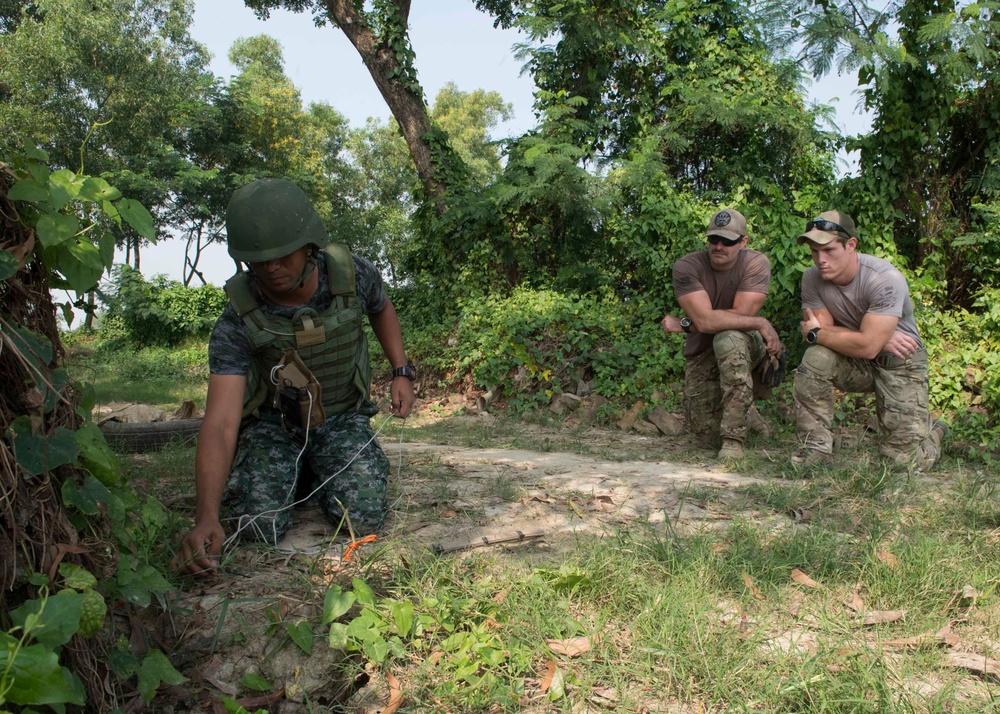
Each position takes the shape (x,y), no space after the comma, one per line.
(817,236)
(730,235)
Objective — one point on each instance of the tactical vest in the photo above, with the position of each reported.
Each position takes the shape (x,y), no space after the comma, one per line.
(332,344)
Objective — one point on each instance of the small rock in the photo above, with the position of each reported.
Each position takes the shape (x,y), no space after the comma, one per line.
(582,389)
(631,417)
(645,428)
(564,403)
(665,422)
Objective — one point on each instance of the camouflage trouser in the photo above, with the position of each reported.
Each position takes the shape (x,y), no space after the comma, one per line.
(719,386)
(263,477)
(900,388)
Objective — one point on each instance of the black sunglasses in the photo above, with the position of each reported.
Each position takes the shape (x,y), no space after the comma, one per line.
(825,225)
(728,242)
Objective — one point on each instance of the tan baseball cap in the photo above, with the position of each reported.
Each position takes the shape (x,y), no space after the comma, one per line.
(829,226)
(728,223)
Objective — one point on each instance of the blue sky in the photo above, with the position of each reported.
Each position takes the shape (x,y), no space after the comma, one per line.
(453,42)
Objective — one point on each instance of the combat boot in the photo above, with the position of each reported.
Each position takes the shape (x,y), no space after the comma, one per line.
(810,457)
(731,450)
(755,422)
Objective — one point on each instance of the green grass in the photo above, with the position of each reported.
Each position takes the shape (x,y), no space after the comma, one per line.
(155,376)
(702,621)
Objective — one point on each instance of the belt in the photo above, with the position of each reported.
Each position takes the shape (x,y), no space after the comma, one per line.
(887,361)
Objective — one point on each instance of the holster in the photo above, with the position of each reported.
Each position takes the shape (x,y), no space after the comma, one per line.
(298,394)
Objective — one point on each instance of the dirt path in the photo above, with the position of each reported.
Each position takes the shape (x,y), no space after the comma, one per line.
(450,494)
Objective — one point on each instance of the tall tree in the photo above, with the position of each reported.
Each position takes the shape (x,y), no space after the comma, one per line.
(380,34)
(108,85)
(697,80)
(930,183)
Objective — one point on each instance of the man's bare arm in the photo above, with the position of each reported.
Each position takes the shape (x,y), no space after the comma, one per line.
(867,343)
(742,316)
(385,325)
(200,550)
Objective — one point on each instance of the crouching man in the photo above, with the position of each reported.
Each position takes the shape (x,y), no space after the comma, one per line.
(289,380)
(721,289)
(857,318)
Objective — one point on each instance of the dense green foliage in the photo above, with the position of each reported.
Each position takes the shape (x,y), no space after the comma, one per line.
(158,312)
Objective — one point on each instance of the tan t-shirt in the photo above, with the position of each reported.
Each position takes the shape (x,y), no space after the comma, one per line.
(750,274)
(878,288)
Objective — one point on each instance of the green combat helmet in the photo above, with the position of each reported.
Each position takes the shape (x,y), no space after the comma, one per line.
(269,219)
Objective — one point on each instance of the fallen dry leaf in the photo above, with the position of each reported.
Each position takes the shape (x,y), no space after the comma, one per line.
(977,664)
(603,696)
(796,605)
(944,636)
(748,581)
(448,514)
(855,602)
(801,515)
(879,617)
(803,579)
(574,646)
(888,558)
(550,672)
(970,593)
(434,657)
(395,695)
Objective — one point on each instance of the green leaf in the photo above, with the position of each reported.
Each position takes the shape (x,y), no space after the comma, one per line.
(335,603)
(402,616)
(37,348)
(57,382)
(33,152)
(56,229)
(363,593)
(8,265)
(81,264)
(97,189)
(35,676)
(36,453)
(338,636)
(256,682)
(87,496)
(56,619)
(68,314)
(135,582)
(136,215)
(62,188)
(156,670)
(111,212)
(97,457)
(123,664)
(28,190)
(302,634)
(38,171)
(76,577)
(106,245)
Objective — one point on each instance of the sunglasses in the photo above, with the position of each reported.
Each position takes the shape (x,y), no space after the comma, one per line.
(728,242)
(827,226)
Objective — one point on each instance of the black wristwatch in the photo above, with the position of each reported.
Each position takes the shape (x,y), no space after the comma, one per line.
(407,370)
(686,323)
(812,337)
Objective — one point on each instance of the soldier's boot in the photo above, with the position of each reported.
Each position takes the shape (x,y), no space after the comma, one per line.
(940,430)
(755,422)
(810,457)
(731,450)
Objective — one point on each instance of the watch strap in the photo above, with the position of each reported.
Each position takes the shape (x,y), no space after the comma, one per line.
(407,370)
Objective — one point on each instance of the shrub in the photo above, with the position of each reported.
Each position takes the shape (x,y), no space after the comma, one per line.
(158,312)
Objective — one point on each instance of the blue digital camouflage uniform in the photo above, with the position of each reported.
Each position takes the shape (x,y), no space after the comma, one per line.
(269,456)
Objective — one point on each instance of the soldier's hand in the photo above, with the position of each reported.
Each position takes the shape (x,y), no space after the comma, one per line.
(809,323)
(671,324)
(200,550)
(401,392)
(901,345)
(772,342)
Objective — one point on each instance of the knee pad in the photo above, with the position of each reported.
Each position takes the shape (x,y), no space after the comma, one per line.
(819,361)
(729,343)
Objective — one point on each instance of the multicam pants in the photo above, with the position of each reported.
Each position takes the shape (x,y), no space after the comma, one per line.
(263,478)
(719,386)
(900,388)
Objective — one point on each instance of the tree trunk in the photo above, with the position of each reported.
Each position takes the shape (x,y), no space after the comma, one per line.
(390,75)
